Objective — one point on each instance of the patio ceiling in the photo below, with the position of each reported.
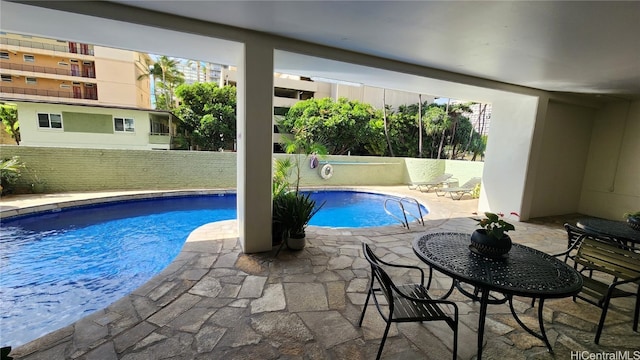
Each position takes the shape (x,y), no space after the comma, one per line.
(567,47)
(573,46)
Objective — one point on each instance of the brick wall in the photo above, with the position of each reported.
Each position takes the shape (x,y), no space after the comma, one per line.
(69,169)
(72,169)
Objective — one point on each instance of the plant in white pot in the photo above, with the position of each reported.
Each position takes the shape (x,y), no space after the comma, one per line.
(293,211)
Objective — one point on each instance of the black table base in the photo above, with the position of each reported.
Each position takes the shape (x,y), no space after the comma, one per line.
(524,272)
(488,300)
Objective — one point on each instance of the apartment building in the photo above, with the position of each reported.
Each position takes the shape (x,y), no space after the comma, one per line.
(43,69)
(80,95)
(200,71)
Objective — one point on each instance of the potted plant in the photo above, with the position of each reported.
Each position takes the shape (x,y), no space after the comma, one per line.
(492,240)
(293,211)
(280,186)
(633,220)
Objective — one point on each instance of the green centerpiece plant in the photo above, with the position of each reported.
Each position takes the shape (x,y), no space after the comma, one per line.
(633,219)
(491,240)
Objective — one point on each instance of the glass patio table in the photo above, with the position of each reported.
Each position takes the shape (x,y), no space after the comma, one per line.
(522,272)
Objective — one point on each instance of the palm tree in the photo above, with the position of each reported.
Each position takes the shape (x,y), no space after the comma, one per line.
(455,113)
(436,124)
(384,119)
(165,75)
(419,125)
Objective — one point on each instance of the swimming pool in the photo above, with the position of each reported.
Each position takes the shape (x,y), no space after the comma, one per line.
(58,267)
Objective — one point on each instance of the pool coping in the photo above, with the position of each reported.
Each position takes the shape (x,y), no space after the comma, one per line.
(95,198)
(88,199)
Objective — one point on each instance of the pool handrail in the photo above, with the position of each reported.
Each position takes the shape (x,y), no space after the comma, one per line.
(399,201)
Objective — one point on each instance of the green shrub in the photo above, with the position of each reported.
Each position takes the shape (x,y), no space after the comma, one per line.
(10,171)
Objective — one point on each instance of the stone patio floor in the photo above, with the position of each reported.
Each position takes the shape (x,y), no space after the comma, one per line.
(214,302)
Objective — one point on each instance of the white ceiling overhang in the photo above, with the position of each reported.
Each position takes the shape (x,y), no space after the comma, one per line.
(515,56)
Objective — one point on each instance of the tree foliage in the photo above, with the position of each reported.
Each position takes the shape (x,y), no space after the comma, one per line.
(166,77)
(9,117)
(350,126)
(343,126)
(442,130)
(208,114)
(403,130)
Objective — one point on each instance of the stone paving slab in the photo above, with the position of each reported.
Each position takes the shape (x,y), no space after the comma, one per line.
(213,302)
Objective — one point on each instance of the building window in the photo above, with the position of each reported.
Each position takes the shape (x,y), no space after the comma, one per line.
(49,121)
(123,125)
(6,78)
(31,80)
(29,58)
(4,55)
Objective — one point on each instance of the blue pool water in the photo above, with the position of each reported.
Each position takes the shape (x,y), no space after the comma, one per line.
(356,209)
(56,268)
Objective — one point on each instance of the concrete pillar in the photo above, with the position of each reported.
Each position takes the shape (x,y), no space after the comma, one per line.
(254,122)
(507,164)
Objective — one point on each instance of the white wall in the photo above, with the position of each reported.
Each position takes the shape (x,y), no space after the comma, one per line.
(562,159)
(612,176)
(507,155)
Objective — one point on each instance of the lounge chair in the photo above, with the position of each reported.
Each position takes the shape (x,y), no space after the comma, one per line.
(436,182)
(465,188)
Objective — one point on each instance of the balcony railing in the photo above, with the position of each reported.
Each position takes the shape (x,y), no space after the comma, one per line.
(84,50)
(160,138)
(43,92)
(87,72)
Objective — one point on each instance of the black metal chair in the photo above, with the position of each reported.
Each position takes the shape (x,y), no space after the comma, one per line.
(574,234)
(615,265)
(406,303)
